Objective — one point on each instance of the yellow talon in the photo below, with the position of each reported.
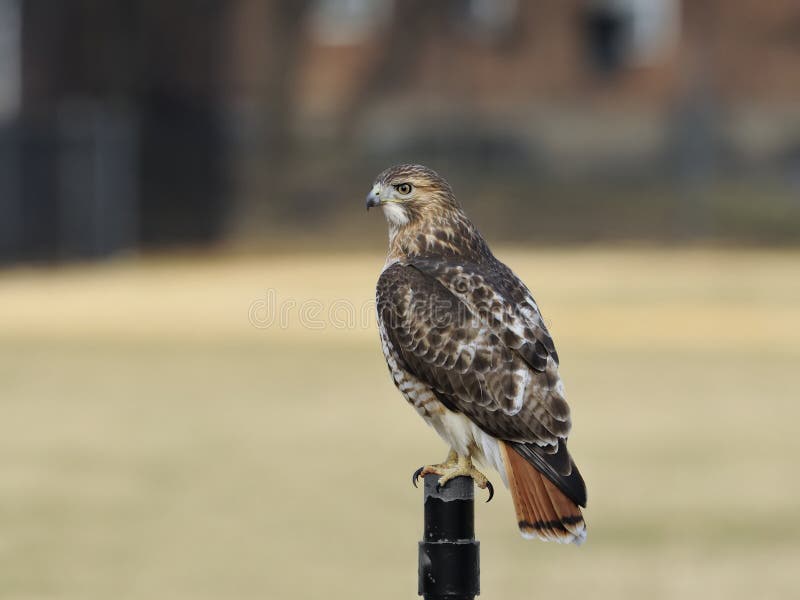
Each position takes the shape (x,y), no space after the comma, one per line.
(454,466)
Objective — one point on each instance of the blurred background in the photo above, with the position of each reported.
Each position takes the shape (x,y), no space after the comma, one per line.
(194,401)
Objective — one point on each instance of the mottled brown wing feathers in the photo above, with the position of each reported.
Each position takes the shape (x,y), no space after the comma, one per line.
(455,332)
(496,295)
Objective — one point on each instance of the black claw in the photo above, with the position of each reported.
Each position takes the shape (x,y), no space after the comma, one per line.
(490,487)
(416,475)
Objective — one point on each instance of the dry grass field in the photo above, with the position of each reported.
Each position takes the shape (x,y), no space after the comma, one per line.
(156,444)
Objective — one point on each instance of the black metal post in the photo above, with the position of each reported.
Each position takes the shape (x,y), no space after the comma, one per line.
(449,561)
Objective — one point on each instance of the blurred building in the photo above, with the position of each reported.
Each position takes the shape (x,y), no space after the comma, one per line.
(580,80)
(128,123)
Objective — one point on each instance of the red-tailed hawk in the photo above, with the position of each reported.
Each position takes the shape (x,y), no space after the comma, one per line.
(466,345)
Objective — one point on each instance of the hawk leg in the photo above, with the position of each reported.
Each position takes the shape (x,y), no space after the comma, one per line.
(454,466)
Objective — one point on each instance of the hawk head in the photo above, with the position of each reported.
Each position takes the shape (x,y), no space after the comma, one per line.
(410,193)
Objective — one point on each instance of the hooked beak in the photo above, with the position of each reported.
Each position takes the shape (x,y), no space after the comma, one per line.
(374,197)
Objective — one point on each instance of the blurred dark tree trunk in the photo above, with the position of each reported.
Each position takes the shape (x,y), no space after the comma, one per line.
(182,153)
(695,127)
(265,42)
(400,50)
(277,102)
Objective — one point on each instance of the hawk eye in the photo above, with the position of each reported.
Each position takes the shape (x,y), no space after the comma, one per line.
(403,188)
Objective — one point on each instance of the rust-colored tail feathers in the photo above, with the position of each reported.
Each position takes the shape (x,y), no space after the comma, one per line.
(543,511)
